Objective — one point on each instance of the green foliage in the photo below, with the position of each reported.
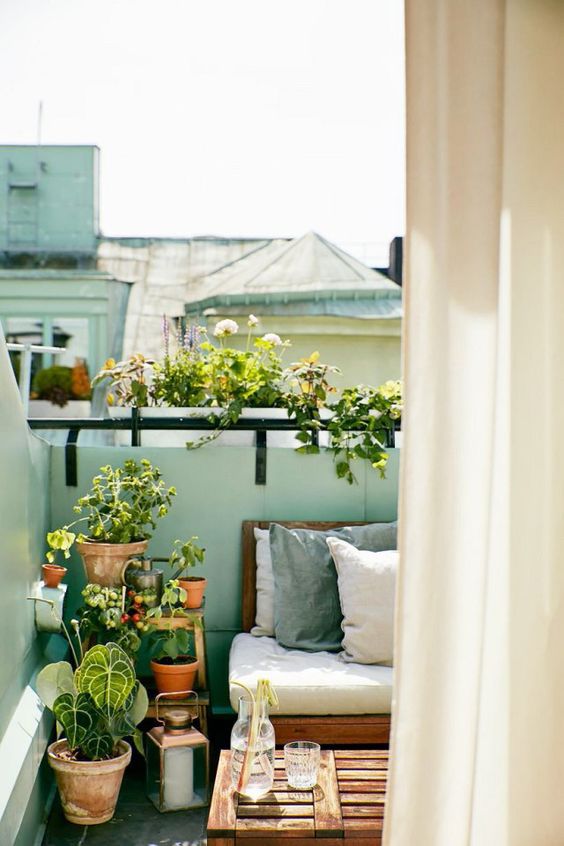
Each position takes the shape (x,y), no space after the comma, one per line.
(54,384)
(102,703)
(359,429)
(122,506)
(171,642)
(181,381)
(310,386)
(102,615)
(185,555)
(130,381)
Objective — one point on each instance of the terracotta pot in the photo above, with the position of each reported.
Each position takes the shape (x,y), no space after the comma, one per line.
(172,677)
(105,563)
(52,574)
(88,789)
(194,587)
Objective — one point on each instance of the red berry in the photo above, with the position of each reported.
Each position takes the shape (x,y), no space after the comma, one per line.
(136,618)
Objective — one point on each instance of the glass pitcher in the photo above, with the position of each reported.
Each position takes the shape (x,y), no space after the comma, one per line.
(261,776)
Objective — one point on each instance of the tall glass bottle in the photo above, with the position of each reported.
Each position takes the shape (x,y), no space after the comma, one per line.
(261,768)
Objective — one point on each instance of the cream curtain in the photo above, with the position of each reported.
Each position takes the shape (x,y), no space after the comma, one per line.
(478,731)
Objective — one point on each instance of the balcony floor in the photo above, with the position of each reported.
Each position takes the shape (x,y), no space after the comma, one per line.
(136,822)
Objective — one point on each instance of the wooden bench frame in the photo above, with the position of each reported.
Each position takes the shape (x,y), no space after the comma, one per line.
(344,730)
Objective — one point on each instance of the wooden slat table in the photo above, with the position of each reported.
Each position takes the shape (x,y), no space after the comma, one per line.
(345,808)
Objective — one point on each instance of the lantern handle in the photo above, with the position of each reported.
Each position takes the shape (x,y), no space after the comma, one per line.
(171,693)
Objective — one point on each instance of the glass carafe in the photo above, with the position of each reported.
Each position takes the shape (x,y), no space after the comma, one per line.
(261,776)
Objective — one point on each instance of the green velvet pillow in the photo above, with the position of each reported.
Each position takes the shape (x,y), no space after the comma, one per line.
(307,610)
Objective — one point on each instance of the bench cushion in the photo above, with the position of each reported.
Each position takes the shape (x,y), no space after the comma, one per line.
(309,683)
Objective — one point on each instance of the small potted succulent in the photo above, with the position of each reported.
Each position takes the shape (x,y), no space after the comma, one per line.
(96,706)
(173,667)
(120,512)
(184,556)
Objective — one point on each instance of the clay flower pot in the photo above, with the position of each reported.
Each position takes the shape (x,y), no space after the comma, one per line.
(88,789)
(52,574)
(171,676)
(105,563)
(194,587)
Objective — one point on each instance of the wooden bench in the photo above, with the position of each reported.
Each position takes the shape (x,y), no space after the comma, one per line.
(333,730)
(345,807)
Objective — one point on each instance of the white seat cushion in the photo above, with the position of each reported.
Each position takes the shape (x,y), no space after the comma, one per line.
(309,683)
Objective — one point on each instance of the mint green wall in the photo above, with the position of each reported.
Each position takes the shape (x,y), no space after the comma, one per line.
(24,505)
(216,492)
(59,214)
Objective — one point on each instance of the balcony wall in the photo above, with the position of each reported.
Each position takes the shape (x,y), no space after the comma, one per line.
(216,492)
(24,726)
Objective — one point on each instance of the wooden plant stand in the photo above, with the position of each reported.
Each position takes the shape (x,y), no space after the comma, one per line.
(345,808)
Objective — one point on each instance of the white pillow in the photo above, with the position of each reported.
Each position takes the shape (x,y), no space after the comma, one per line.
(265,586)
(367,583)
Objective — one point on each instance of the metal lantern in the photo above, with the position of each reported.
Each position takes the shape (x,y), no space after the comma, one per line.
(177,758)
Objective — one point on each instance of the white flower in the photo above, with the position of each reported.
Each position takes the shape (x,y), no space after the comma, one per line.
(225,327)
(252,321)
(273,339)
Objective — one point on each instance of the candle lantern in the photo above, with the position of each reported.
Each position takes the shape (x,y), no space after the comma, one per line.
(177,759)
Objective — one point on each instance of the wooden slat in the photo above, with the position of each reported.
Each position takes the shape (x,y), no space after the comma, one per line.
(224,841)
(363,829)
(223,809)
(364,754)
(373,786)
(327,731)
(274,811)
(283,796)
(362,799)
(303,841)
(282,827)
(327,806)
(365,811)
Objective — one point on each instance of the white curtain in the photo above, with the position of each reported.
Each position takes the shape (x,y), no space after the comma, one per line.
(477,753)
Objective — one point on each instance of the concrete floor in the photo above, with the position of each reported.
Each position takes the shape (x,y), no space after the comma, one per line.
(137,822)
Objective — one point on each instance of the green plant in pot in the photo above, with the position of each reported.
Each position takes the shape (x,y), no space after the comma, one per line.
(112,615)
(96,706)
(120,512)
(360,428)
(185,555)
(173,667)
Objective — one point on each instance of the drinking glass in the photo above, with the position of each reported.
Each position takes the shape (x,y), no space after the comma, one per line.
(301,758)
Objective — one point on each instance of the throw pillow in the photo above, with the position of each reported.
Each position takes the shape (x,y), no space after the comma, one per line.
(264,620)
(307,609)
(367,584)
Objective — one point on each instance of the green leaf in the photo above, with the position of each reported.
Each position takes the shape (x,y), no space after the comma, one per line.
(107,674)
(76,715)
(98,746)
(140,704)
(138,741)
(53,680)
(182,641)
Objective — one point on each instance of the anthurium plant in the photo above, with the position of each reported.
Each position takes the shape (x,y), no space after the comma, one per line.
(97,704)
(122,506)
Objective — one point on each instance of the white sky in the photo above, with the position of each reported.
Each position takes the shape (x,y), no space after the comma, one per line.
(226,117)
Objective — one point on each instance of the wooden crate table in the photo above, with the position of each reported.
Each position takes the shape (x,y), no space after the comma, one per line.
(345,808)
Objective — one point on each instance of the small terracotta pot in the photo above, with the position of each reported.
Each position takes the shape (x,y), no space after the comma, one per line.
(52,574)
(194,587)
(171,677)
(88,789)
(105,563)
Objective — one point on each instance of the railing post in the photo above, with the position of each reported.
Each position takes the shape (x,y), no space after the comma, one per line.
(25,376)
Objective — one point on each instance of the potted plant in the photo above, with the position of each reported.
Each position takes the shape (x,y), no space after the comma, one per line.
(96,706)
(120,512)
(173,667)
(112,615)
(184,556)
(60,391)
(52,574)
(360,427)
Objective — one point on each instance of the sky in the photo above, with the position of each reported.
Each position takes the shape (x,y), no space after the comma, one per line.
(224,117)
